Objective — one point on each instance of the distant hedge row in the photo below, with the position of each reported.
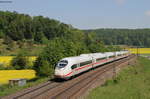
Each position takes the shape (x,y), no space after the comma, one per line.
(130,37)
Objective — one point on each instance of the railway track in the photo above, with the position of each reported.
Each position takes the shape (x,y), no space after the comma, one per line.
(72,88)
(34,91)
(87,81)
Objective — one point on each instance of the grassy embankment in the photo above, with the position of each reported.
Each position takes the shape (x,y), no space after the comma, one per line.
(6,89)
(131,83)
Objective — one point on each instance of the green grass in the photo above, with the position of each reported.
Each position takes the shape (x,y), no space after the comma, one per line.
(6,89)
(132,83)
(145,54)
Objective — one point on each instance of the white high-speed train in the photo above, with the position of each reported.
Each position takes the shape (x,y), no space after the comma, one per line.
(70,66)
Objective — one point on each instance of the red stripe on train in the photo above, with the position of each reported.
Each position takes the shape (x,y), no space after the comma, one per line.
(68,74)
(83,67)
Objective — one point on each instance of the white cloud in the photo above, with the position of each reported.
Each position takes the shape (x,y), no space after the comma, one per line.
(147,13)
(120,2)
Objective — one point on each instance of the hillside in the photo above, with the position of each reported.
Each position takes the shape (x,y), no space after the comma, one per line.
(14,47)
(130,37)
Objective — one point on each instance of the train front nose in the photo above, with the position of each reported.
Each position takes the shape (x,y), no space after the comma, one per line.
(60,68)
(58,73)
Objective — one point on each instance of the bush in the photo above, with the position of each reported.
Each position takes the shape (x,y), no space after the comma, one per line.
(21,61)
(45,69)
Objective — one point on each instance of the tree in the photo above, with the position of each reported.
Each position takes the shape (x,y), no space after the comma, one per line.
(21,61)
(52,53)
(39,37)
(96,47)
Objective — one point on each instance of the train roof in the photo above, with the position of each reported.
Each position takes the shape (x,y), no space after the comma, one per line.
(86,57)
(110,53)
(77,59)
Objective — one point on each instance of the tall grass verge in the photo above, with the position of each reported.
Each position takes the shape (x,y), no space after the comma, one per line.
(131,83)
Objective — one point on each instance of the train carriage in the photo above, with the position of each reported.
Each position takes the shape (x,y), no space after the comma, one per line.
(70,66)
(99,59)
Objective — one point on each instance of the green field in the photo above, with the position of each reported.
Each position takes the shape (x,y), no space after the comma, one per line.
(131,83)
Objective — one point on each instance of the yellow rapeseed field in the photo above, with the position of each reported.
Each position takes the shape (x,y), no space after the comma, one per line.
(6,75)
(139,50)
(5,60)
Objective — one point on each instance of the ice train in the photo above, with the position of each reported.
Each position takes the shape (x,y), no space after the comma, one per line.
(71,66)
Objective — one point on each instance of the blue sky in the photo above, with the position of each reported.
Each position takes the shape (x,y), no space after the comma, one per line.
(87,14)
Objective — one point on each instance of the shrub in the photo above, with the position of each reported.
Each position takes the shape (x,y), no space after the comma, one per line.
(21,61)
(45,69)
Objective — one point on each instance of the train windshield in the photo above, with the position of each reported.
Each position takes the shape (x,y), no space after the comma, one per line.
(62,63)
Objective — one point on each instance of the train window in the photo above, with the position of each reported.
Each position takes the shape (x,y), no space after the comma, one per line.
(74,66)
(85,63)
(98,59)
(62,63)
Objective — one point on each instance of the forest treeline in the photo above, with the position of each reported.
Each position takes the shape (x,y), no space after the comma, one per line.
(131,37)
(24,27)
